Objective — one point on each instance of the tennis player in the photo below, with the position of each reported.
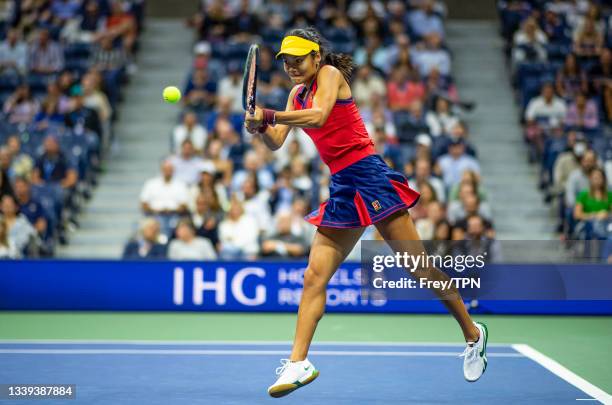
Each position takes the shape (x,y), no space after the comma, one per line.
(363,191)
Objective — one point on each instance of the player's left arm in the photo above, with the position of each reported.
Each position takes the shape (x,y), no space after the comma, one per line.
(329,81)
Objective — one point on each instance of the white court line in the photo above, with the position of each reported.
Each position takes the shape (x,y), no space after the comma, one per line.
(564,373)
(233,342)
(243,352)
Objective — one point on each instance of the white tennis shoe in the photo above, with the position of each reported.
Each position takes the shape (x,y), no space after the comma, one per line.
(475,355)
(291,376)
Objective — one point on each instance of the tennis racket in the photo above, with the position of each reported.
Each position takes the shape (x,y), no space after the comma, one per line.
(249,80)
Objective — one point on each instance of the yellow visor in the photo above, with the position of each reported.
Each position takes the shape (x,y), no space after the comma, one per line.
(297,46)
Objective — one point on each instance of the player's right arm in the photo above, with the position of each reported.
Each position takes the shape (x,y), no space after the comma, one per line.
(275,136)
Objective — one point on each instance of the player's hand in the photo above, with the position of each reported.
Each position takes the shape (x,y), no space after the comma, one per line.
(254,121)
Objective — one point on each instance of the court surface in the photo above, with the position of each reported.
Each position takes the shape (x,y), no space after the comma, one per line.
(175,372)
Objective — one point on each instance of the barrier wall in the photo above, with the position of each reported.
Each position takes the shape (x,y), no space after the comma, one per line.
(215,286)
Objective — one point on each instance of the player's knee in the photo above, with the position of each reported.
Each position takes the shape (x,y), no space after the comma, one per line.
(314,278)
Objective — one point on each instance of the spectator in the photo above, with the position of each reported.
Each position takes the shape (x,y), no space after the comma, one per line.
(256,202)
(53,167)
(65,9)
(367,83)
(207,215)
(422,174)
(146,244)
(428,195)
(187,165)
(582,114)
(121,24)
(425,21)
(529,43)
(223,111)
(441,120)
(253,164)
(109,62)
(31,208)
(13,54)
(431,56)
(79,116)
(467,204)
(409,127)
(601,82)
(95,97)
(426,226)
(21,107)
(87,28)
(571,79)
(456,162)
(594,206)
(373,52)
(238,234)
(49,114)
(202,60)
(46,56)
(543,112)
(190,129)
(282,243)
(231,87)
(5,166)
(588,42)
(404,88)
(165,197)
(20,233)
(300,180)
(200,91)
(21,164)
(188,246)
(578,179)
(8,250)
(567,162)
(208,181)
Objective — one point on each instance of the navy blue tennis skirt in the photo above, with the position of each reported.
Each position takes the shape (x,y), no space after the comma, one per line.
(362,194)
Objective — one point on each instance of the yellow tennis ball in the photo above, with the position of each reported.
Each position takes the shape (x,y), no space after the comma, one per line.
(172,94)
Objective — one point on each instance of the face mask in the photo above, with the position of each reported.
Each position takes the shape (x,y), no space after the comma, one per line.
(579,148)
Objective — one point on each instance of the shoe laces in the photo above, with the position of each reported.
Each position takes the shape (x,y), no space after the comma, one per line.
(470,352)
(285,364)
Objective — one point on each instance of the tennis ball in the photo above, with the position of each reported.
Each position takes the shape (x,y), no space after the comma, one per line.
(172,94)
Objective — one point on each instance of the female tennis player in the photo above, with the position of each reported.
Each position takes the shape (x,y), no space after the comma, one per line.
(363,191)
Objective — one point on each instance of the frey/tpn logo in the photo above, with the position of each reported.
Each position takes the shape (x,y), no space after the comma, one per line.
(376,205)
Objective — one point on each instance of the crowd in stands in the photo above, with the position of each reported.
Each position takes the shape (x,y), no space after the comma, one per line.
(561,57)
(62,66)
(222,194)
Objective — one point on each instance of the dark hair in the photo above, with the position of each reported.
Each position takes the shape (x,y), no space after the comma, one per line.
(344,63)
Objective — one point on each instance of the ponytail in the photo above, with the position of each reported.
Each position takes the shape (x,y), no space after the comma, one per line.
(343,62)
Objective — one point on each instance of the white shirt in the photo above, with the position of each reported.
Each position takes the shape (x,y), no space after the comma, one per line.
(452,169)
(440,123)
(161,195)
(198,136)
(427,59)
(188,170)
(197,249)
(555,111)
(17,54)
(259,208)
(233,90)
(240,234)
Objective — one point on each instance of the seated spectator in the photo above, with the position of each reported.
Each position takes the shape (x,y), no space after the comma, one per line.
(65,9)
(367,83)
(8,250)
(426,226)
(566,162)
(80,116)
(223,111)
(190,129)
(441,119)
(588,42)
(404,88)
(422,174)
(253,164)
(95,98)
(478,229)
(256,202)
(386,146)
(207,215)
(121,24)
(13,54)
(202,60)
(87,28)
(594,206)
(53,167)
(208,181)
(601,81)
(46,56)
(428,195)
(529,43)
(473,180)
(582,114)
(5,165)
(231,87)
(54,92)
(189,246)
(283,243)
(22,164)
(300,179)
(21,106)
(49,114)
(425,21)
(453,164)
(555,27)
(20,232)
(238,234)
(578,179)
(165,197)
(467,203)
(430,55)
(187,165)
(438,85)
(408,127)
(543,114)
(31,208)
(373,52)
(200,91)
(571,79)
(146,244)
(110,62)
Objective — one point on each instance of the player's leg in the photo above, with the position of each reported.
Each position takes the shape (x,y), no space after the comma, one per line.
(329,248)
(401,235)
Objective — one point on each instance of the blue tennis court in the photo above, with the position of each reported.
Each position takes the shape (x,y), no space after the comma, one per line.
(137,372)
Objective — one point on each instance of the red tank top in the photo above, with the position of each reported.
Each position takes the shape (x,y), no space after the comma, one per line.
(343,139)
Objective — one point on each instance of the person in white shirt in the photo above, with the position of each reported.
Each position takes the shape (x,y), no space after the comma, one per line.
(431,56)
(546,106)
(189,129)
(231,87)
(187,165)
(165,197)
(253,164)
(367,83)
(238,234)
(455,162)
(188,246)
(442,120)
(13,53)
(256,202)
